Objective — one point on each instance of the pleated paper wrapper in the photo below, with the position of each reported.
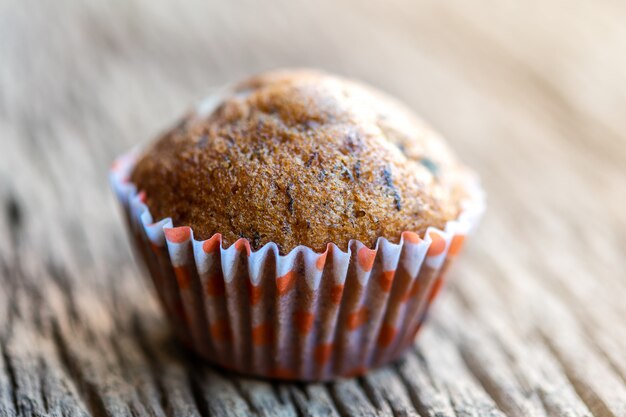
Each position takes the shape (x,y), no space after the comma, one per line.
(300,316)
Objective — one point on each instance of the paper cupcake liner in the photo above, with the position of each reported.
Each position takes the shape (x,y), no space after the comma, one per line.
(300,316)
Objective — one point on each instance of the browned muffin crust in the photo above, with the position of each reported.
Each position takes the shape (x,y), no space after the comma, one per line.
(299,157)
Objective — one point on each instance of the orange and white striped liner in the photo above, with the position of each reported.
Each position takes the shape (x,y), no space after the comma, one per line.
(299,316)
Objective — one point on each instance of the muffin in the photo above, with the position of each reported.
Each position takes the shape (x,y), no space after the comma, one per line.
(303,224)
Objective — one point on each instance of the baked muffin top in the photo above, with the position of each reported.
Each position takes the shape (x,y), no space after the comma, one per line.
(300,157)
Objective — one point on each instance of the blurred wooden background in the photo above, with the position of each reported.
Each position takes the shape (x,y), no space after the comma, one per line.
(532,94)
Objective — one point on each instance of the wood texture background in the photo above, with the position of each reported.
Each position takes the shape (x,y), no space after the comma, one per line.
(530,93)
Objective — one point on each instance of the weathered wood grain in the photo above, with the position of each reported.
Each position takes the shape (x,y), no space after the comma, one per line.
(530,93)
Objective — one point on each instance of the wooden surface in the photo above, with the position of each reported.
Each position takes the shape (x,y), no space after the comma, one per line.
(532,94)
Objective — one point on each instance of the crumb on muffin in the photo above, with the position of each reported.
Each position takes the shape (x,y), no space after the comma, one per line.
(300,157)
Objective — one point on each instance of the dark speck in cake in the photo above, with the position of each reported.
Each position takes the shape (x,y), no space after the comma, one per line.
(430,165)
